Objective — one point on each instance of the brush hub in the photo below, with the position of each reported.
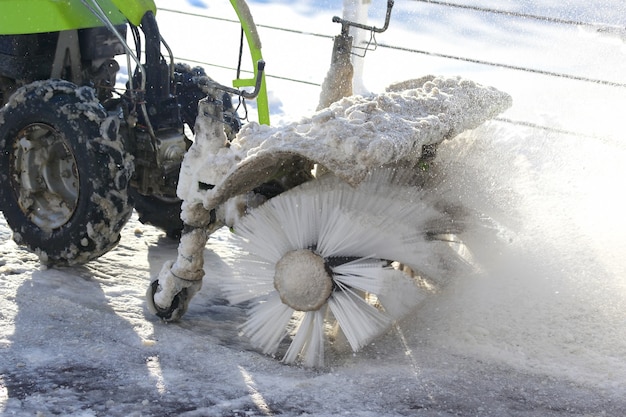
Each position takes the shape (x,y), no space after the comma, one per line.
(302,280)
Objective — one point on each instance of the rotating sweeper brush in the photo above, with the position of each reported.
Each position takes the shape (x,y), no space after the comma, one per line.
(333,214)
(325,251)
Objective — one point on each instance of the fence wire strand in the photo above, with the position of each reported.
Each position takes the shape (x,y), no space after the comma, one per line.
(519,14)
(601,27)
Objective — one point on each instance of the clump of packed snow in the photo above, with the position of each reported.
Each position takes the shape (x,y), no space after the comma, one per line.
(349,138)
(302,280)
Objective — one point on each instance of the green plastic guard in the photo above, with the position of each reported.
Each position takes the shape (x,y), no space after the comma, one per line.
(19,17)
(254,44)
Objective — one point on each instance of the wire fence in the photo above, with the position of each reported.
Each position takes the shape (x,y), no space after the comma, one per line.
(520,15)
(597,26)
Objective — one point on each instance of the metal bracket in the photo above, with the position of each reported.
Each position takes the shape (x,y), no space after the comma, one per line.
(347,24)
(67,54)
(243,93)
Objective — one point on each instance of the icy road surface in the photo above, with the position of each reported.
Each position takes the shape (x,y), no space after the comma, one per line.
(537,330)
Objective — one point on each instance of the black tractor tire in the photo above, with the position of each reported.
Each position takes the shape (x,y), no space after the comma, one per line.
(160,212)
(64,173)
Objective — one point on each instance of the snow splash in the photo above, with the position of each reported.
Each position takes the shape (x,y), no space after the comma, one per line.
(551,297)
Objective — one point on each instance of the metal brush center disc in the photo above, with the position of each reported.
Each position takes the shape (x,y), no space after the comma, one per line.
(302,280)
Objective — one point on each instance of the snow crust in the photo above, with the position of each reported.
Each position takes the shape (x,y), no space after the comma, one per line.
(349,138)
(246,16)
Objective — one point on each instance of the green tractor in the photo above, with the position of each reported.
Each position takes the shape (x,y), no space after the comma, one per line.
(77,153)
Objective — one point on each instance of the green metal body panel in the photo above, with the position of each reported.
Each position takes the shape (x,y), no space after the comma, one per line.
(19,17)
(134,10)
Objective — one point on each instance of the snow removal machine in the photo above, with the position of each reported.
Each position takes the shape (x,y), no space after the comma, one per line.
(338,232)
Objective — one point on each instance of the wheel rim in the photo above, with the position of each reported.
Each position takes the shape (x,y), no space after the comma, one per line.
(45,175)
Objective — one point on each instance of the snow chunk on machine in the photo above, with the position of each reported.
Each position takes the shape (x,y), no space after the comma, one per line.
(333,212)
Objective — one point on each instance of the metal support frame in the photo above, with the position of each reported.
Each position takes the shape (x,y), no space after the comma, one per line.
(67,54)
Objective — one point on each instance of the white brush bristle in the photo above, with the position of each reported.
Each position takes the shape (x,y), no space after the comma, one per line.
(308,342)
(377,220)
(267,323)
(359,321)
(255,278)
(363,274)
